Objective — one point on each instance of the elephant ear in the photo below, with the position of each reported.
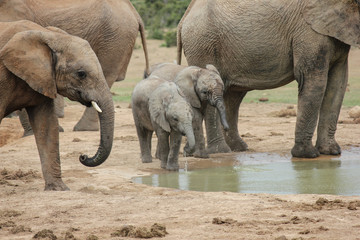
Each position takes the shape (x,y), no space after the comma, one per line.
(157,108)
(335,18)
(186,81)
(212,68)
(28,57)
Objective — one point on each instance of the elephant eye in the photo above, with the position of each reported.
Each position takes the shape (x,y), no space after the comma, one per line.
(81,74)
(175,119)
(204,92)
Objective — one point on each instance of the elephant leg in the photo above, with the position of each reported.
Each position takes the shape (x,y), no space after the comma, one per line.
(232,102)
(144,136)
(24,119)
(89,121)
(173,157)
(25,123)
(45,125)
(163,146)
(200,150)
(311,92)
(59,106)
(215,137)
(330,109)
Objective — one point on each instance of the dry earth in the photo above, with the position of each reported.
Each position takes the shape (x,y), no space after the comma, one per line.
(103,202)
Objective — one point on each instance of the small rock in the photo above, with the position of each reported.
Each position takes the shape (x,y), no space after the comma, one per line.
(355,112)
(263,99)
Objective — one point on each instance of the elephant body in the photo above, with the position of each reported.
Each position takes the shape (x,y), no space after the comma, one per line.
(36,64)
(266,44)
(160,106)
(110,26)
(201,86)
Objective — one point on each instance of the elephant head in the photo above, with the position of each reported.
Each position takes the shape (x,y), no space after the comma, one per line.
(51,61)
(201,85)
(170,110)
(335,18)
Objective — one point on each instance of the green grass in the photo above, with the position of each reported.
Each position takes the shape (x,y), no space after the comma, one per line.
(122,90)
(285,94)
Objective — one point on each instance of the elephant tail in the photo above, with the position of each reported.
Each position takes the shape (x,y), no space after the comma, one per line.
(179,45)
(143,41)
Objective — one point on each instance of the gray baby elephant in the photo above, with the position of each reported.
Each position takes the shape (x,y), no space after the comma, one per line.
(160,106)
(201,86)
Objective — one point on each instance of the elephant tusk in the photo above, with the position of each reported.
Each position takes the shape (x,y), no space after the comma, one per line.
(94,104)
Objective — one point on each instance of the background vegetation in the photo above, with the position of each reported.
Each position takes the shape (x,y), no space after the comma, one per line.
(161,17)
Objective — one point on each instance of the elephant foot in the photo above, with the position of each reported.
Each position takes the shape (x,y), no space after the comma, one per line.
(146,159)
(28,133)
(236,143)
(57,185)
(201,154)
(219,147)
(86,125)
(329,149)
(172,167)
(302,150)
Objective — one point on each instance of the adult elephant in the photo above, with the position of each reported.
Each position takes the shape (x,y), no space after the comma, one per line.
(265,44)
(36,63)
(110,26)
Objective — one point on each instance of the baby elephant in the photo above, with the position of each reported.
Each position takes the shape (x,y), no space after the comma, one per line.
(160,106)
(201,87)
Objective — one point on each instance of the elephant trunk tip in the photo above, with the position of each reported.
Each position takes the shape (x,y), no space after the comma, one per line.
(89,162)
(226,126)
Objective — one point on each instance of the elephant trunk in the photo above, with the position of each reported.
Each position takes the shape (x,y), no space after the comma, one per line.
(106,131)
(189,133)
(221,109)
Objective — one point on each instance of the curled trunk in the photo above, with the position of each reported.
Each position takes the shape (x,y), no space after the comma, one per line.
(106,133)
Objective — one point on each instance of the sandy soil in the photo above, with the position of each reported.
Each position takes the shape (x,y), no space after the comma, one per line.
(103,202)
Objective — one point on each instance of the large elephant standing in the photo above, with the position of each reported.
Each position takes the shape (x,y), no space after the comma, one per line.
(265,44)
(110,26)
(36,63)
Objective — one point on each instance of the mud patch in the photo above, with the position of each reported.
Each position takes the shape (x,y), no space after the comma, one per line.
(156,230)
(45,234)
(323,203)
(19,175)
(288,112)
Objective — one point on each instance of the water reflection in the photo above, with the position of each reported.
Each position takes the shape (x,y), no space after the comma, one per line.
(264,173)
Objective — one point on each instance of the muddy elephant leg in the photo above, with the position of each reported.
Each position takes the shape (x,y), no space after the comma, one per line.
(310,97)
(215,137)
(173,157)
(45,125)
(232,101)
(330,109)
(144,136)
(200,150)
(163,146)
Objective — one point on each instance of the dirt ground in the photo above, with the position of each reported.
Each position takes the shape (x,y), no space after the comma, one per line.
(104,204)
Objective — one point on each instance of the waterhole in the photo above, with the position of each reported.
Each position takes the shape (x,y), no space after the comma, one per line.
(266,173)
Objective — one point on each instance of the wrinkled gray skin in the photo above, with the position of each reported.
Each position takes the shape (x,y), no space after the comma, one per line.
(266,44)
(201,87)
(36,63)
(160,106)
(111,28)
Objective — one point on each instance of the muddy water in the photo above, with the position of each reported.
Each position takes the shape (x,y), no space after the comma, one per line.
(266,173)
